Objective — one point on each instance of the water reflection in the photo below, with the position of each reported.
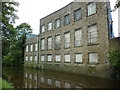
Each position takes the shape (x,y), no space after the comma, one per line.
(32,78)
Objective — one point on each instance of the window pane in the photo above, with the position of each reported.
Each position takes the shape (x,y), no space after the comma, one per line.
(31,58)
(42,28)
(67,58)
(49,57)
(36,47)
(27,48)
(50,26)
(57,23)
(57,42)
(42,44)
(78,57)
(42,58)
(77,15)
(78,38)
(26,58)
(36,58)
(67,19)
(49,43)
(57,58)
(93,57)
(31,47)
(91,8)
(67,40)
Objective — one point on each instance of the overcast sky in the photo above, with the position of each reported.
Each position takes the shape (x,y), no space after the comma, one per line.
(30,11)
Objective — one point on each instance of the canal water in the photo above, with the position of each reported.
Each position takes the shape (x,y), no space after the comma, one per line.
(33,78)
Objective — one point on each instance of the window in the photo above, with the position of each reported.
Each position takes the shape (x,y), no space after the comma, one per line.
(42,44)
(93,57)
(42,79)
(67,58)
(35,58)
(67,85)
(78,58)
(27,48)
(91,8)
(57,23)
(57,42)
(57,58)
(42,28)
(49,58)
(78,37)
(49,43)
(36,47)
(26,58)
(92,34)
(67,19)
(67,40)
(42,58)
(77,14)
(49,81)
(31,58)
(31,47)
(50,26)
(57,84)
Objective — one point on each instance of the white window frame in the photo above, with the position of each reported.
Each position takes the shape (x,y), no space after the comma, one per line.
(78,38)
(91,8)
(57,58)
(31,47)
(31,58)
(78,58)
(36,47)
(42,44)
(49,58)
(67,40)
(26,48)
(42,28)
(42,58)
(50,26)
(67,58)
(49,43)
(92,34)
(26,58)
(93,57)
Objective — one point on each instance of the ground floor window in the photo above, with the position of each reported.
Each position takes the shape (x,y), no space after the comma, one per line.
(31,58)
(93,57)
(35,58)
(57,58)
(78,58)
(49,58)
(26,58)
(42,58)
(67,58)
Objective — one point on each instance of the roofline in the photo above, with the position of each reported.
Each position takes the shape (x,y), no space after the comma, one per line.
(57,10)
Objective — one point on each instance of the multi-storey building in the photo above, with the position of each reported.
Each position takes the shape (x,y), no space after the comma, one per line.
(75,39)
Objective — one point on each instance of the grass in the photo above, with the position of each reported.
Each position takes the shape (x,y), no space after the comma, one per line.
(5,84)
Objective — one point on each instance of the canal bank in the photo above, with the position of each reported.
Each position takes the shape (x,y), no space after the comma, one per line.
(33,78)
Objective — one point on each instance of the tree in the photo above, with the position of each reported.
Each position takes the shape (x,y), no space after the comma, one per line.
(8,31)
(117,5)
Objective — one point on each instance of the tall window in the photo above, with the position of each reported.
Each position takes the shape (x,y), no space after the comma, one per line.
(93,57)
(57,58)
(31,47)
(92,34)
(50,26)
(31,58)
(49,43)
(78,37)
(77,14)
(42,58)
(27,48)
(49,58)
(67,40)
(91,8)
(57,42)
(78,58)
(67,19)
(36,47)
(42,44)
(42,28)
(35,58)
(57,23)
(67,58)
(26,58)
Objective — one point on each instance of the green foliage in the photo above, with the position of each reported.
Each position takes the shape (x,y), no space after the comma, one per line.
(4,84)
(114,58)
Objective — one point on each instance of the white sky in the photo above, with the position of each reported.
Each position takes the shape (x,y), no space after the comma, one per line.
(31,11)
